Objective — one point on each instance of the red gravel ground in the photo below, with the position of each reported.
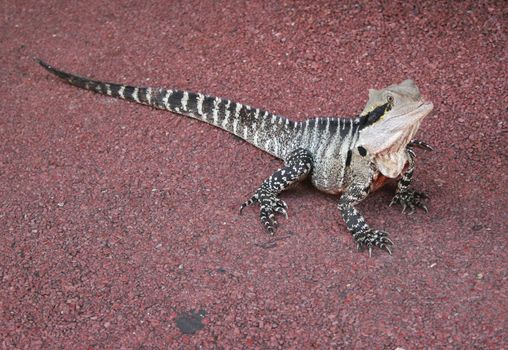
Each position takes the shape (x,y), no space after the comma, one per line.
(120,224)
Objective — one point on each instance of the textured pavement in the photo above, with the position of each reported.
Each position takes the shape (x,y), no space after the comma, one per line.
(120,225)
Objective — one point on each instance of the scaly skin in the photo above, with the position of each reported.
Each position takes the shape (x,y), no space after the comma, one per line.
(338,155)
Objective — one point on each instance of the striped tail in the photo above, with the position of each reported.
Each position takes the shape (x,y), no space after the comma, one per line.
(263,129)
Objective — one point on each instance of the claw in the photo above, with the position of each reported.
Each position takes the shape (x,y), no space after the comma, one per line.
(426,146)
(387,240)
(387,248)
(282,211)
(247,203)
(421,144)
(280,203)
(370,251)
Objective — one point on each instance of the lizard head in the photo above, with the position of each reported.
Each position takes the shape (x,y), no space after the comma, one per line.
(389,121)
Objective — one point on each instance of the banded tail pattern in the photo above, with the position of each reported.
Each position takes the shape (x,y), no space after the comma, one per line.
(263,129)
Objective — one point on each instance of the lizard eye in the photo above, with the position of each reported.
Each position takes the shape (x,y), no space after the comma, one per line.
(390,99)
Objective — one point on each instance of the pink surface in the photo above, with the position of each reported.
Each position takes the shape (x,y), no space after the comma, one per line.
(120,223)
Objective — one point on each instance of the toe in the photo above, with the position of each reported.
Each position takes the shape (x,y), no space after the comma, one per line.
(386,247)
(282,211)
(248,202)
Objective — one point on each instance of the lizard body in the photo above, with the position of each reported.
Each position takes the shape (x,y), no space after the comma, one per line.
(348,156)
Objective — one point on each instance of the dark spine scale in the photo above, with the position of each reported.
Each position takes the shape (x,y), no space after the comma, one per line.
(263,129)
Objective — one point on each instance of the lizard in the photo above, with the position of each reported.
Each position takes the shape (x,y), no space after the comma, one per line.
(350,157)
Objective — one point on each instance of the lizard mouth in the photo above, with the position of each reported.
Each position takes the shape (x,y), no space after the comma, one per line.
(418,113)
(405,121)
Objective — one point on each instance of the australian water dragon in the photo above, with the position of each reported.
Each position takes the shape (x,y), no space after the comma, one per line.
(347,156)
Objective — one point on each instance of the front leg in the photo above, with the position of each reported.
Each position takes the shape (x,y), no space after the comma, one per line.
(406,196)
(362,233)
(297,166)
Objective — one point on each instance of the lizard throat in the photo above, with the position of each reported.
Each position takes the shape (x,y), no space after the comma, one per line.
(391,161)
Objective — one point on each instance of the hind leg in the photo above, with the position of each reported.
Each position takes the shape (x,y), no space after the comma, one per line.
(297,166)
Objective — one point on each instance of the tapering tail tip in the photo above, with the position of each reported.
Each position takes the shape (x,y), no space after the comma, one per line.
(42,63)
(61,74)
(51,69)
(46,66)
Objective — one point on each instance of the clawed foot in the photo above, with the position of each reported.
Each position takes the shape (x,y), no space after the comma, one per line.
(373,238)
(269,206)
(410,199)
